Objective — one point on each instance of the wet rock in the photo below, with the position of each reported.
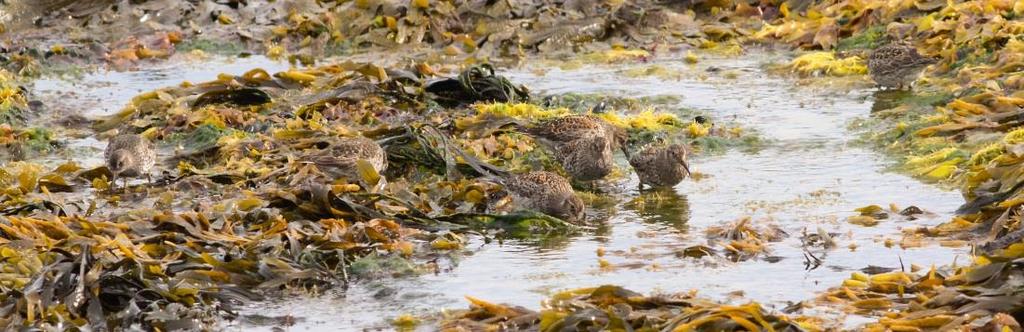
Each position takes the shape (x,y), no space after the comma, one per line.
(385,292)
(911,211)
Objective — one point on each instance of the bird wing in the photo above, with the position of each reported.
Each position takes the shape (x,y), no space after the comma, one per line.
(644,158)
(120,142)
(535,183)
(567,128)
(358,148)
(884,59)
(520,184)
(341,156)
(892,58)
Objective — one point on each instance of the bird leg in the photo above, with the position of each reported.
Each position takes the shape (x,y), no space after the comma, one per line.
(113,183)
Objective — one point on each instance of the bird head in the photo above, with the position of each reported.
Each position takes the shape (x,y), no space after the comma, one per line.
(678,153)
(119,161)
(568,207)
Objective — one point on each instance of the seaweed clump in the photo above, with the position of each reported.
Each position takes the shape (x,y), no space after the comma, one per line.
(615,308)
(124,35)
(251,203)
(19,136)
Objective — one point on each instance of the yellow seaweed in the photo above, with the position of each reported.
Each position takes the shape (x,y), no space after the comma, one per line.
(825,63)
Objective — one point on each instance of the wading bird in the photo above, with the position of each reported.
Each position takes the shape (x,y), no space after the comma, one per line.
(545,192)
(661,166)
(583,144)
(130,155)
(896,66)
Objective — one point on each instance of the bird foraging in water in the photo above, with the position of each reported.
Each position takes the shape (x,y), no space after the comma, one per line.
(661,166)
(896,65)
(583,144)
(586,159)
(545,192)
(540,191)
(130,155)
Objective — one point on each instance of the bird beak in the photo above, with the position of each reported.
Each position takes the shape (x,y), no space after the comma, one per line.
(686,166)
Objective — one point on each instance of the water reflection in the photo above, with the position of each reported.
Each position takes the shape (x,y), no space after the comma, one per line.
(664,206)
(888,99)
(547,242)
(600,211)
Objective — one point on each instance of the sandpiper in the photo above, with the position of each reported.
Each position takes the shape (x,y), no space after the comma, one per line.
(586,159)
(661,166)
(583,144)
(130,155)
(896,65)
(572,127)
(545,192)
(341,157)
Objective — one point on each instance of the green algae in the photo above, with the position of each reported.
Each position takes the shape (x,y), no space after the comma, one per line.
(211,46)
(869,38)
(202,137)
(38,139)
(375,265)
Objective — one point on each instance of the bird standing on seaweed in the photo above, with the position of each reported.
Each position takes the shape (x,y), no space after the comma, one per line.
(130,155)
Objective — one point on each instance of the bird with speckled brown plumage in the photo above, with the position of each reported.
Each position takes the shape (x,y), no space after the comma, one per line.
(586,159)
(570,128)
(661,166)
(130,155)
(896,65)
(545,192)
(583,144)
(339,158)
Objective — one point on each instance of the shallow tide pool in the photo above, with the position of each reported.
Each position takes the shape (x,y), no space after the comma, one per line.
(808,175)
